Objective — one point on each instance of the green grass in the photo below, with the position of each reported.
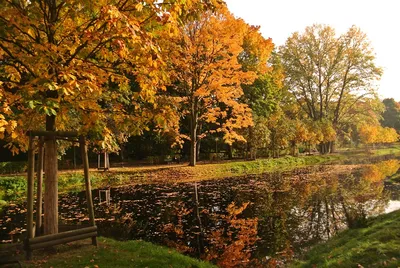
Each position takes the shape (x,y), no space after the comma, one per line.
(72,181)
(395,149)
(377,245)
(111,253)
(14,187)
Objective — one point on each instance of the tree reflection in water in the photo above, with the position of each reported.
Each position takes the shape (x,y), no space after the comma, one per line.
(270,216)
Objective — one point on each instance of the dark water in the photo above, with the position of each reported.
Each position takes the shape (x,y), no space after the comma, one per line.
(285,213)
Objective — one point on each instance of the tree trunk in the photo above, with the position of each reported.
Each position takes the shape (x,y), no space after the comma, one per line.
(320,149)
(193,137)
(51,181)
(230,152)
(192,153)
(250,146)
(333,147)
(294,149)
(198,150)
(74,157)
(122,152)
(50,222)
(324,148)
(193,143)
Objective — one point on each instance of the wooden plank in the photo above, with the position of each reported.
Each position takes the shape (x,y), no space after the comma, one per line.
(39,195)
(61,241)
(47,238)
(31,170)
(43,133)
(89,199)
(30,185)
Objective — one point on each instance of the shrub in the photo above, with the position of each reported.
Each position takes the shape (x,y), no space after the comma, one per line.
(13,188)
(13,167)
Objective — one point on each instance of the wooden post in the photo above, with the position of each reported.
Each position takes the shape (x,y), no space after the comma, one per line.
(39,197)
(89,199)
(98,161)
(108,161)
(74,157)
(31,170)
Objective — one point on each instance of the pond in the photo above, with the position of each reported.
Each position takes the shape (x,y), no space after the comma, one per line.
(254,218)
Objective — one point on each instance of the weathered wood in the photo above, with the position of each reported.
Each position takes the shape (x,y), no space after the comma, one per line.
(31,171)
(98,161)
(51,187)
(89,199)
(107,196)
(74,163)
(30,185)
(7,252)
(39,195)
(60,238)
(62,241)
(108,161)
(44,133)
(72,233)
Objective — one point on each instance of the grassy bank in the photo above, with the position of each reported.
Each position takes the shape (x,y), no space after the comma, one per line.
(111,253)
(377,245)
(12,187)
(71,181)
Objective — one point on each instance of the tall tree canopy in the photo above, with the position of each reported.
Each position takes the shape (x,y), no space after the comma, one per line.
(327,74)
(208,76)
(64,64)
(264,95)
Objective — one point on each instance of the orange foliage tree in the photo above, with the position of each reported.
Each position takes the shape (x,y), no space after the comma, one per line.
(58,60)
(207,76)
(373,134)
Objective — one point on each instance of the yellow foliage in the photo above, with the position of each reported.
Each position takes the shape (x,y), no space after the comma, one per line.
(378,172)
(75,63)
(371,134)
(205,70)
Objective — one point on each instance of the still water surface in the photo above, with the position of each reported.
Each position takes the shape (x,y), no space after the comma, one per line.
(266,216)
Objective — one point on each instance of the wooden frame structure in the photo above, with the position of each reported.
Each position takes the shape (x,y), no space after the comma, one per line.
(32,242)
(106,162)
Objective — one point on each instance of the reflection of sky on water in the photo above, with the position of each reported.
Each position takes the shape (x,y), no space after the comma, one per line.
(294,209)
(392,206)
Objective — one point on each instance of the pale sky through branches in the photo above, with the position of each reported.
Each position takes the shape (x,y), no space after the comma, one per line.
(380,20)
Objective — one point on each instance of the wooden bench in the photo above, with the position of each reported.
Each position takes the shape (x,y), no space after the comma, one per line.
(6,256)
(60,238)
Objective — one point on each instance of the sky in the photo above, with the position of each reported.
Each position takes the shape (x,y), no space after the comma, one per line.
(380,20)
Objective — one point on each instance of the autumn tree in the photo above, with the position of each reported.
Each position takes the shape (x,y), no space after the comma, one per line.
(374,134)
(207,76)
(58,60)
(329,75)
(299,135)
(314,135)
(280,132)
(265,94)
